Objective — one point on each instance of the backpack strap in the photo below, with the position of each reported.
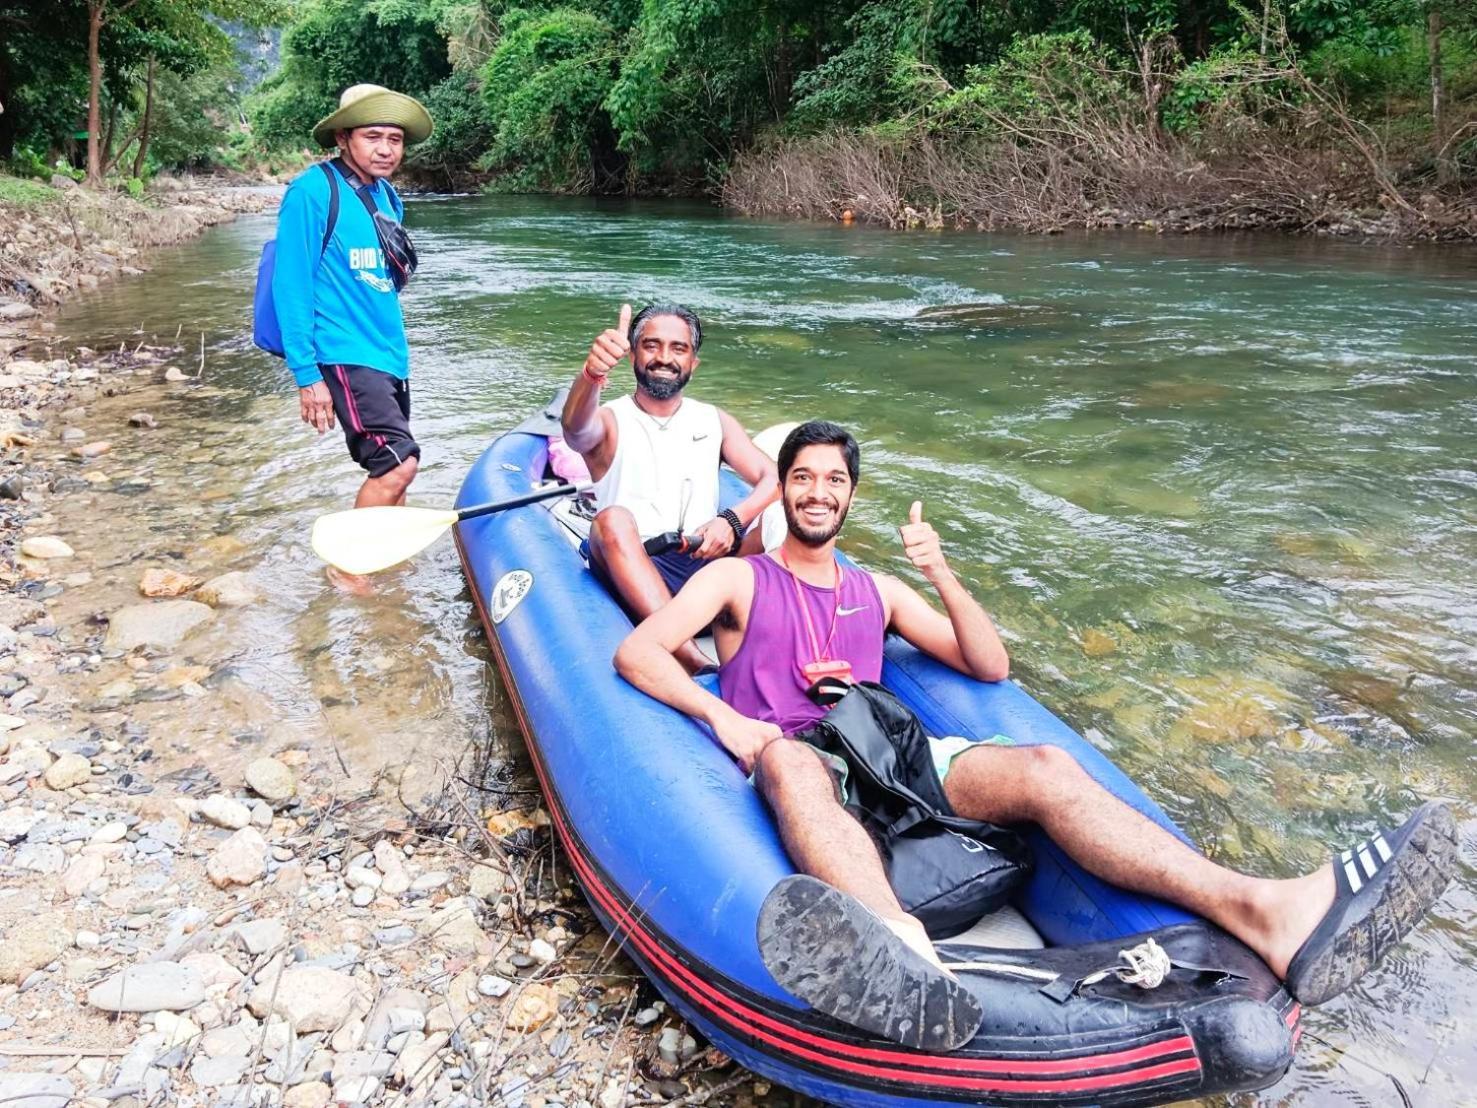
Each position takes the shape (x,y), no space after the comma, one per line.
(332,206)
(361,191)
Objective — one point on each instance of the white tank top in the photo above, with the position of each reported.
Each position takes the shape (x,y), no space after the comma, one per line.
(665,471)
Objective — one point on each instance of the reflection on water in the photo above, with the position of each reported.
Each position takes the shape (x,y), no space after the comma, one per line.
(1219,494)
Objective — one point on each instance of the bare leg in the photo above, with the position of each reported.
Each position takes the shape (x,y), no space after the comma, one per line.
(1046,786)
(835,935)
(616,545)
(388,489)
(824,841)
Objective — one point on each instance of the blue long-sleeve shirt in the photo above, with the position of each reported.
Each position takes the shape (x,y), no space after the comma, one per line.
(342,309)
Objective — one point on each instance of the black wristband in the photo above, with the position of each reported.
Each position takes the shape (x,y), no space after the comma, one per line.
(733,521)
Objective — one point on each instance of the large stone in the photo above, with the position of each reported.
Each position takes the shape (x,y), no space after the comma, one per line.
(67,771)
(536,1005)
(16,823)
(311,998)
(45,546)
(261,935)
(83,871)
(149,987)
(485,882)
(163,624)
(227,1069)
(229,590)
(454,929)
(35,1090)
(224,811)
(166,583)
(271,780)
(240,860)
(310,1094)
(30,944)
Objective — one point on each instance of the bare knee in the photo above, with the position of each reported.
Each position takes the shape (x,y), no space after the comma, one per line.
(789,772)
(1049,772)
(614,530)
(399,478)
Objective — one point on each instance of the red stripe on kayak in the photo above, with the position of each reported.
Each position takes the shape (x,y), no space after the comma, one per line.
(711,999)
(750,1020)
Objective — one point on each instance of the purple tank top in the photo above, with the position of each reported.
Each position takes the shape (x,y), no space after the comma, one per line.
(763,680)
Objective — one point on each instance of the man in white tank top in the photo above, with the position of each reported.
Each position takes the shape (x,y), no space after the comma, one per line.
(654,458)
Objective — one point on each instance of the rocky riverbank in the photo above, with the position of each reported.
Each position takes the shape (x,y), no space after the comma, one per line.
(200,903)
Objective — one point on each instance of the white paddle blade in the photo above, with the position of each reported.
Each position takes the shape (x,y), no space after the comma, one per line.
(771,439)
(367,540)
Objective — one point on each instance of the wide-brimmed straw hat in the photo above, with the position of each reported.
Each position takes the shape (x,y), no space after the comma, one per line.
(367,105)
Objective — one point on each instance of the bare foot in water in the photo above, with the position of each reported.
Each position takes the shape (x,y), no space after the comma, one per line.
(354,584)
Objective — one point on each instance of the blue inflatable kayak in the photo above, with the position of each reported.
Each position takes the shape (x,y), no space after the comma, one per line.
(676,851)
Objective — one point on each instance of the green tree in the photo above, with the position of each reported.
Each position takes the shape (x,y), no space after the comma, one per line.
(332,44)
(544,87)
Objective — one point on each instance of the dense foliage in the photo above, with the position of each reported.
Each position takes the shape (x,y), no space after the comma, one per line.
(100,81)
(653,95)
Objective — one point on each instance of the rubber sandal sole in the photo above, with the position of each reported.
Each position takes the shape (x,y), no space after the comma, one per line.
(841,959)
(1409,884)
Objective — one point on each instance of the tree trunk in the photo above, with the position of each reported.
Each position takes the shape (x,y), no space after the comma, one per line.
(94,92)
(1444,172)
(108,159)
(143,134)
(7,119)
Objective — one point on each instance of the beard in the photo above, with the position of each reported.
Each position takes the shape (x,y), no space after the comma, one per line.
(807,534)
(661,388)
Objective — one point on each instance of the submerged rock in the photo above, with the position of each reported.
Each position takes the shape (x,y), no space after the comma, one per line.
(162,625)
(46,546)
(229,590)
(166,583)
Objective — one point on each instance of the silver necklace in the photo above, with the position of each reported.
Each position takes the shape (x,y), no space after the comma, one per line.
(661,424)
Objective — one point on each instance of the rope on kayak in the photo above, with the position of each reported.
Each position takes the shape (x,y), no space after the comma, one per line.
(1146,965)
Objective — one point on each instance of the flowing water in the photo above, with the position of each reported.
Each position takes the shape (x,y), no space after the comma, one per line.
(1220,494)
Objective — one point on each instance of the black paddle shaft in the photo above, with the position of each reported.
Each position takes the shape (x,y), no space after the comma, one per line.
(534,497)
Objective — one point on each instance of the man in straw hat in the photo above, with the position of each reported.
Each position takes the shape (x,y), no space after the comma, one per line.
(336,286)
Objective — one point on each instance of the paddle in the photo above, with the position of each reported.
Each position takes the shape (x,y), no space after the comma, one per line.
(367,540)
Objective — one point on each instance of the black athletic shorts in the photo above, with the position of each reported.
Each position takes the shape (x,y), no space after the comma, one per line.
(374,409)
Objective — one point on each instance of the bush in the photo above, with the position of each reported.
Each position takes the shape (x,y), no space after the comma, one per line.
(544,87)
(463,130)
(23,193)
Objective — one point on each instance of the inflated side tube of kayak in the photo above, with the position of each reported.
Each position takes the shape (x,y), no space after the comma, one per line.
(675,852)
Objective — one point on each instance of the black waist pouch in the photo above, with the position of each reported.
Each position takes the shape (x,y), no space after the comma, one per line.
(946,870)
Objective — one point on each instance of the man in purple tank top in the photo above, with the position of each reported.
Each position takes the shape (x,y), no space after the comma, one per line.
(784,620)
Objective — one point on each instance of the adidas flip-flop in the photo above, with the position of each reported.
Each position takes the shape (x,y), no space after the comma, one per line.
(1384,886)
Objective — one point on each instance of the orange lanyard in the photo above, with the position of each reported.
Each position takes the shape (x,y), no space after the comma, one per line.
(816,654)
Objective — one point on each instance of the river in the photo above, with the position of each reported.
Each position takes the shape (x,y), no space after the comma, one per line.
(1220,494)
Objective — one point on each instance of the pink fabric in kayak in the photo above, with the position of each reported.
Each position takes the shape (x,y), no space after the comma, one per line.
(566,463)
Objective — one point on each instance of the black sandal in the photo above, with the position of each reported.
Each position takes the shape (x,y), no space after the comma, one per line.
(832,952)
(1384,886)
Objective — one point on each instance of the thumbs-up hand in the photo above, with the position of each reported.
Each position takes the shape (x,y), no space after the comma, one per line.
(921,544)
(609,347)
